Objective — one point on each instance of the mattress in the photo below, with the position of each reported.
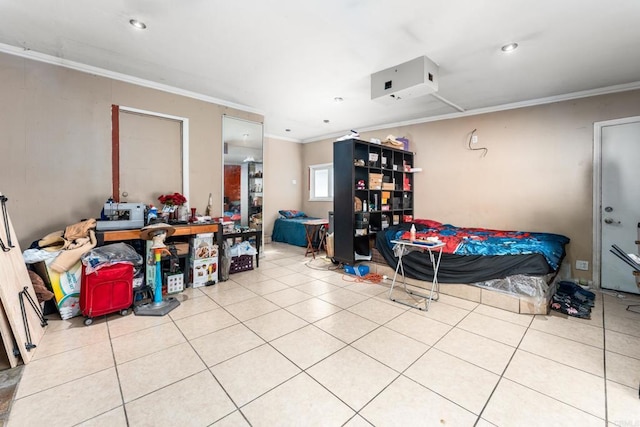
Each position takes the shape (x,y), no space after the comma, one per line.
(476,255)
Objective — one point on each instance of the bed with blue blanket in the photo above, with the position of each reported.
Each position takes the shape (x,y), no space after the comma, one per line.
(472,255)
(289,228)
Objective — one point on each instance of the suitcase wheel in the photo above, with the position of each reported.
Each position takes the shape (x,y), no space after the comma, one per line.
(124,312)
(88,321)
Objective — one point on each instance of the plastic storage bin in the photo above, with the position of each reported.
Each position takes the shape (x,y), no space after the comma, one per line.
(241,263)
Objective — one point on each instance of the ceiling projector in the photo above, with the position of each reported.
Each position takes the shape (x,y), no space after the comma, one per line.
(410,79)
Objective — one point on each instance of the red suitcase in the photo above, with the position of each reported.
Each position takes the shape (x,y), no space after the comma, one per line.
(105,291)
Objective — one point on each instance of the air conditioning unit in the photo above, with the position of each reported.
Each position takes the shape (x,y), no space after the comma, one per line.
(412,79)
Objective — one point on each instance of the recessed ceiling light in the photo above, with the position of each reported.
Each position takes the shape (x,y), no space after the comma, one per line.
(338,99)
(326,120)
(287,130)
(138,24)
(509,47)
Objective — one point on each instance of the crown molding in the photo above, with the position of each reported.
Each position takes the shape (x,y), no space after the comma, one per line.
(504,107)
(49,59)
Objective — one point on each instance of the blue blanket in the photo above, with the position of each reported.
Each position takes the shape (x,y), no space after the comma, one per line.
(290,231)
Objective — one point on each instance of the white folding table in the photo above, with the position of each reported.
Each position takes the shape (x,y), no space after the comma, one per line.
(433,248)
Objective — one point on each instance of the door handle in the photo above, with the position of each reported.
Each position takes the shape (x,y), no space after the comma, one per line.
(611,221)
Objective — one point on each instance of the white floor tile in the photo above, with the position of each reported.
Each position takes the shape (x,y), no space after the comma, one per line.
(299,401)
(253,373)
(462,382)
(200,398)
(495,329)
(483,352)
(571,353)
(515,405)
(572,386)
(352,376)
(406,403)
(307,346)
(64,405)
(395,350)
(230,355)
(346,326)
(275,324)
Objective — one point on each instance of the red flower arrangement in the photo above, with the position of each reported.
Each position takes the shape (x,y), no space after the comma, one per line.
(175,199)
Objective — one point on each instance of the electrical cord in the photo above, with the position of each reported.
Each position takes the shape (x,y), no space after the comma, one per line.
(485,150)
(374,278)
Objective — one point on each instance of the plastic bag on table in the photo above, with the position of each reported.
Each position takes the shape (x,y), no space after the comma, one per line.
(103,256)
(242,248)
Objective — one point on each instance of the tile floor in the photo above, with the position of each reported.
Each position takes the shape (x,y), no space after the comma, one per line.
(291,345)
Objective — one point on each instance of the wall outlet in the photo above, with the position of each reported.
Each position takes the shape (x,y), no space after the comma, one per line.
(582,265)
(474,139)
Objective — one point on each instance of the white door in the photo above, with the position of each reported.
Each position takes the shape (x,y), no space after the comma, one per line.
(620,202)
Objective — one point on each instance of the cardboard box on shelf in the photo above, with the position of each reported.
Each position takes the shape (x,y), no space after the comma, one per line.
(203,272)
(375,181)
(202,246)
(388,186)
(202,238)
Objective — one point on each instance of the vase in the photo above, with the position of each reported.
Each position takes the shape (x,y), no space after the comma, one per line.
(183,213)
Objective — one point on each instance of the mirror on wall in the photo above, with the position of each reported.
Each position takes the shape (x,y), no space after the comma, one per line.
(243,172)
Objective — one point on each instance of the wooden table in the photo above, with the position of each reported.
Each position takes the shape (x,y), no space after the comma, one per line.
(134,234)
(311,227)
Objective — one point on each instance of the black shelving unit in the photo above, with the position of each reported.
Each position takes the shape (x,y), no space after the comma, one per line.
(373,189)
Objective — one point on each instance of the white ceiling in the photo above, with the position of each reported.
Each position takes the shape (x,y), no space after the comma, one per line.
(288,59)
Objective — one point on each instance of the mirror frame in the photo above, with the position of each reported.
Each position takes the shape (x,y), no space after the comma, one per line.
(115,156)
(224,128)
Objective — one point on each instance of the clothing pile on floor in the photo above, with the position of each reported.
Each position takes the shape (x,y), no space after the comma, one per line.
(572,300)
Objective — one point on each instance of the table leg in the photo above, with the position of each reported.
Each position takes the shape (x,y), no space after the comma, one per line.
(323,243)
(435,287)
(434,284)
(309,229)
(395,275)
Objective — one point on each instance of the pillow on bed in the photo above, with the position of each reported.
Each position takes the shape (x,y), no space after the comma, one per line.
(292,214)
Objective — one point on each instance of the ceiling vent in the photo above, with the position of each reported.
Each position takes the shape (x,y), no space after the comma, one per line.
(412,79)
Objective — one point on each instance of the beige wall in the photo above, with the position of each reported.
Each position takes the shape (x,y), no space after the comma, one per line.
(55,152)
(315,154)
(55,143)
(282,165)
(536,176)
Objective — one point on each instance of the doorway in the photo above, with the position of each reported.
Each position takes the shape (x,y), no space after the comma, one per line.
(616,209)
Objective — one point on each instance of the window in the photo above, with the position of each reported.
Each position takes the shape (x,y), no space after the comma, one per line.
(321,183)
